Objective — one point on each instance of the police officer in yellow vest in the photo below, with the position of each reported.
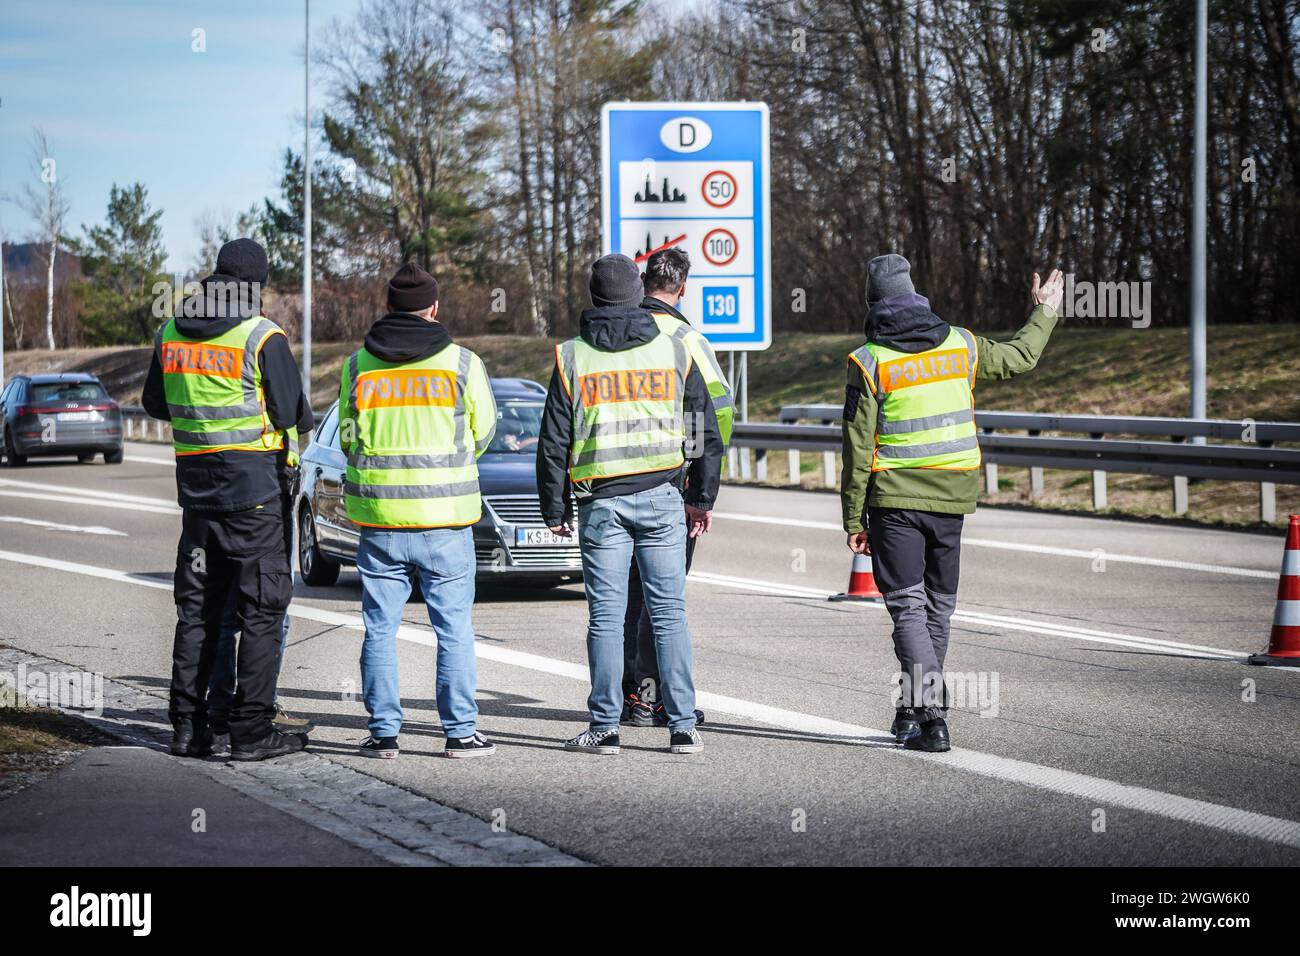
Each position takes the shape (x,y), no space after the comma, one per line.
(664,280)
(911,460)
(415,413)
(224,376)
(628,426)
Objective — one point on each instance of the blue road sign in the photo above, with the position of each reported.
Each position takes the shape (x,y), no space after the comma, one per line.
(695,175)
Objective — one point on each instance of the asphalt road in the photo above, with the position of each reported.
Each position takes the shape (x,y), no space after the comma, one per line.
(1118,722)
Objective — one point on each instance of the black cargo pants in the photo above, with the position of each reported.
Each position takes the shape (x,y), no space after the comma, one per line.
(916,557)
(244,551)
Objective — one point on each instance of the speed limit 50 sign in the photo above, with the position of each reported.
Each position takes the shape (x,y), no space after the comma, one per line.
(695,175)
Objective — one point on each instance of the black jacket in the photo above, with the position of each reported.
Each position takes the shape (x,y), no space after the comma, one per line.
(403,337)
(616,329)
(235,480)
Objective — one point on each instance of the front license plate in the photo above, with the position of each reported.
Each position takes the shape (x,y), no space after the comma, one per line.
(538,536)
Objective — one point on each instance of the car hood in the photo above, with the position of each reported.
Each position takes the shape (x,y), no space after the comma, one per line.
(507,474)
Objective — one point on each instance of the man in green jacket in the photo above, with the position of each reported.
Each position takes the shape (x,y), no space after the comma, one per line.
(911,467)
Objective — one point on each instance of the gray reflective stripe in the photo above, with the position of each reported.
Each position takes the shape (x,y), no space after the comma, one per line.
(629,426)
(255,335)
(352,384)
(723,401)
(462,375)
(215,413)
(870,366)
(927,449)
(366,462)
(568,359)
(925,422)
(682,358)
(592,456)
(683,329)
(240,437)
(971,353)
(419,492)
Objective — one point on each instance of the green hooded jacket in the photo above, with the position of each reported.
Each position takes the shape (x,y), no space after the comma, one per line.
(922,489)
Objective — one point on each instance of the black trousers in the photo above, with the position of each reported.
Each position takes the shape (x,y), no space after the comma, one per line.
(244,551)
(640,663)
(916,557)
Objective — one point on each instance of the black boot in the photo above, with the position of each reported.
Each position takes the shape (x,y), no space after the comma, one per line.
(932,739)
(191,738)
(905,726)
(274,744)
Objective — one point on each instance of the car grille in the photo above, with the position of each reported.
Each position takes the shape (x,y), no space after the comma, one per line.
(525,511)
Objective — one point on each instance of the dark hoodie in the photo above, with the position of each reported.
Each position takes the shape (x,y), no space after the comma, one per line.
(617,329)
(905,323)
(403,337)
(235,480)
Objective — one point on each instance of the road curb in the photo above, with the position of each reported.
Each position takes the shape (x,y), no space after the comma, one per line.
(396,825)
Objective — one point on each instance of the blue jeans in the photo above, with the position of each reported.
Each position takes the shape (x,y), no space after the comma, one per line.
(650,527)
(444,560)
(221,686)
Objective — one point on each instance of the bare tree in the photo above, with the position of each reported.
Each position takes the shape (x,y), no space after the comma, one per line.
(48,208)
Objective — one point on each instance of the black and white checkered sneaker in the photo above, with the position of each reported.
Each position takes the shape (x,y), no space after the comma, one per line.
(594,742)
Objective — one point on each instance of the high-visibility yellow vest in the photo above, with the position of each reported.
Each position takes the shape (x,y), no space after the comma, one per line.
(628,415)
(706,361)
(214,390)
(926,404)
(412,462)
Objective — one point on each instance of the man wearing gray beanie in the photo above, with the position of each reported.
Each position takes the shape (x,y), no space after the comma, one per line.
(911,467)
(630,430)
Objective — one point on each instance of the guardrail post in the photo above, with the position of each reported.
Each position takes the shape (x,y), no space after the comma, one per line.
(1267,502)
(1180,495)
(158,430)
(991,477)
(732,452)
(831,471)
(1035,473)
(744,464)
(1098,490)
(760,464)
(795,466)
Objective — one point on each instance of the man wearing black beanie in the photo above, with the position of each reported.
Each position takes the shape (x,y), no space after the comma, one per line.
(630,428)
(415,412)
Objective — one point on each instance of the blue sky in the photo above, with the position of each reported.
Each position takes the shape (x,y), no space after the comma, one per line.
(123,98)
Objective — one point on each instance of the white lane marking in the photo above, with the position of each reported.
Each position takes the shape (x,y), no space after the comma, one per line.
(169,462)
(1044,628)
(1030,548)
(86,492)
(55,526)
(94,502)
(1096,790)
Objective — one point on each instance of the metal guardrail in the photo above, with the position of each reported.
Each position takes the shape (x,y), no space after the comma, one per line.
(1178,458)
(138,426)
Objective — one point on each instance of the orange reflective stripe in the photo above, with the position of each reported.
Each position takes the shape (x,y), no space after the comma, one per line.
(628,385)
(388,388)
(924,368)
(200,358)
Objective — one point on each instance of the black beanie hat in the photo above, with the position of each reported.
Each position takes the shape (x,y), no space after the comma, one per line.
(242,259)
(411,289)
(615,281)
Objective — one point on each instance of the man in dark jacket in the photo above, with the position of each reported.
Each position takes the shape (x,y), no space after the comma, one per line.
(622,402)
(225,377)
(911,460)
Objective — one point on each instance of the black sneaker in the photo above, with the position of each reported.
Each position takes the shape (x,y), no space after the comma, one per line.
(385,748)
(642,715)
(630,702)
(685,742)
(274,744)
(933,737)
(473,746)
(594,742)
(220,744)
(190,739)
(661,717)
(905,726)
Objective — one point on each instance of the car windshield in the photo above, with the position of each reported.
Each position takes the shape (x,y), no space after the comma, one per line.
(68,392)
(518,425)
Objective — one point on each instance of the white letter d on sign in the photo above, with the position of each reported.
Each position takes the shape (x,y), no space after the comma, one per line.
(685,134)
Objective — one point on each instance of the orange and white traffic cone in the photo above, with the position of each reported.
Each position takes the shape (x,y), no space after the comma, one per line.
(1284,643)
(862,582)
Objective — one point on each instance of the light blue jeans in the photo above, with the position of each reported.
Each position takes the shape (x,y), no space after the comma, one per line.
(443,558)
(649,526)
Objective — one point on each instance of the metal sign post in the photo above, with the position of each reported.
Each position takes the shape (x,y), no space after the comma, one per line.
(306,202)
